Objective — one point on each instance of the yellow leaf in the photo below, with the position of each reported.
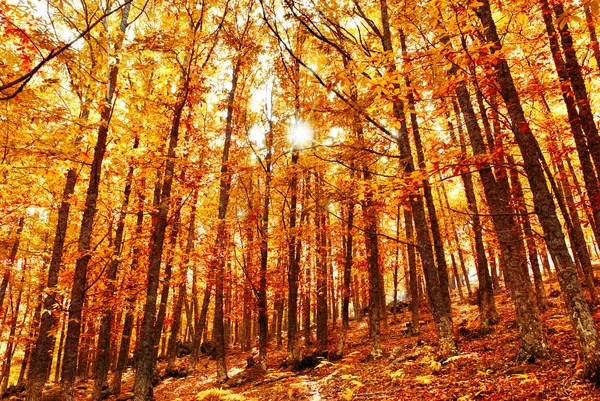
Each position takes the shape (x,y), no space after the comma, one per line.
(435,366)
(348,394)
(423,380)
(397,375)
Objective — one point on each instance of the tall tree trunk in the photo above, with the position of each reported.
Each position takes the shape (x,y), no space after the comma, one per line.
(348,240)
(413,284)
(12,338)
(487,307)
(123,355)
(166,285)
(101,366)
(590,178)
(461,257)
(35,322)
(263,313)
(321,268)
(521,207)
(181,295)
(437,300)
(221,240)
(438,244)
(293,353)
(85,235)
(573,69)
(147,347)
(533,342)
(585,328)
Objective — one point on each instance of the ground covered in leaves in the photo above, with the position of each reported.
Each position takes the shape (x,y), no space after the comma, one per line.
(484,369)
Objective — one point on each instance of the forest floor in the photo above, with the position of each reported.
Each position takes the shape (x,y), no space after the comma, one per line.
(484,369)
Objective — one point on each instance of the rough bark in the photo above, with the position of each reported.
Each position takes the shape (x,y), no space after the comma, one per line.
(590,177)
(348,242)
(218,262)
(438,302)
(104,347)
(585,328)
(321,269)
(147,346)
(487,306)
(573,69)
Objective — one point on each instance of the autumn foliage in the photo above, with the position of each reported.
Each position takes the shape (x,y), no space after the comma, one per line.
(361,188)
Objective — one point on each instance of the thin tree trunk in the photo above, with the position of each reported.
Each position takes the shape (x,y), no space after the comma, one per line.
(147,346)
(487,306)
(573,69)
(321,269)
(263,313)
(85,235)
(584,151)
(293,353)
(413,283)
(461,257)
(123,355)
(104,336)
(182,278)
(348,240)
(438,301)
(12,257)
(221,240)
(521,207)
(12,338)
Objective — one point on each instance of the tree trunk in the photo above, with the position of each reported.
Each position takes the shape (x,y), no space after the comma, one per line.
(533,342)
(12,257)
(578,308)
(413,283)
(85,235)
(583,150)
(123,355)
(521,207)
(12,338)
(573,69)
(182,278)
(218,262)
(321,268)
(293,353)
(101,366)
(438,301)
(348,239)
(147,346)
(438,244)
(263,313)
(487,306)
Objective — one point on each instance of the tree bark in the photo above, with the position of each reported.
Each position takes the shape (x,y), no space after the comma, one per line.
(437,300)
(147,347)
(321,268)
(348,240)
(218,262)
(487,306)
(578,308)
(573,69)
(101,366)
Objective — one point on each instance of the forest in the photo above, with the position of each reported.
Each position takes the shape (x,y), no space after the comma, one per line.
(299,199)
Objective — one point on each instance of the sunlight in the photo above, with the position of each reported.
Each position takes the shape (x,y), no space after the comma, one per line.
(300,133)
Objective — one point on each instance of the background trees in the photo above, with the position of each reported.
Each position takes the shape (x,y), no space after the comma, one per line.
(293,162)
